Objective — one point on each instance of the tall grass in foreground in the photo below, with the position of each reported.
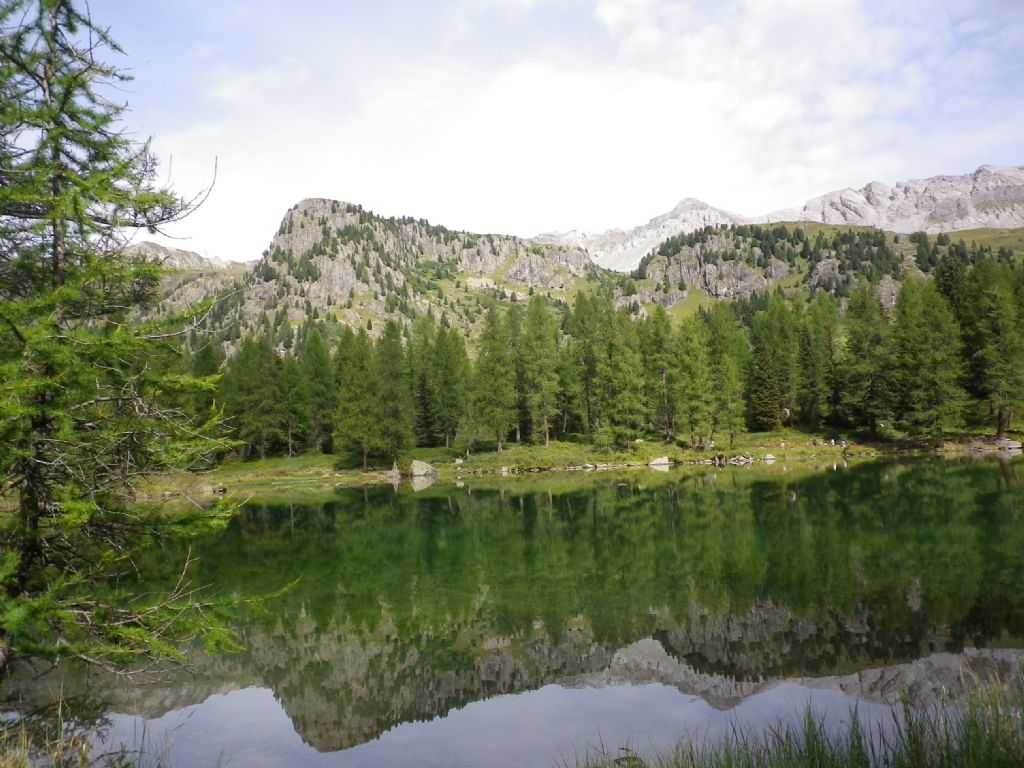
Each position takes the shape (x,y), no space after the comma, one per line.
(58,743)
(985,732)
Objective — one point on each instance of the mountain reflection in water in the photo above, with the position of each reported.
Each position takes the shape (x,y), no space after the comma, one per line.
(650,593)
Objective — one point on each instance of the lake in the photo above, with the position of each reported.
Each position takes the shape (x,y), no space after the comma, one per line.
(526,620)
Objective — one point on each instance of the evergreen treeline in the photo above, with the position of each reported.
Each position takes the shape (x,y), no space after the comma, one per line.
(593,372)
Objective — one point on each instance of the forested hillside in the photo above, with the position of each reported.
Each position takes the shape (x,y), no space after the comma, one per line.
(949,352)
(738,261)
(367,336)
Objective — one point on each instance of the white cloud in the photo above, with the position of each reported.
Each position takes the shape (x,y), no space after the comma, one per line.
(749,105)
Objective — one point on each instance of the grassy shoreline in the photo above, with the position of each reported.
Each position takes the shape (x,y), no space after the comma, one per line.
(986,732)
(319,472)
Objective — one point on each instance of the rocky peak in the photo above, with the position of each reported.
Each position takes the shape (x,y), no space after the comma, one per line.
(174,258)
(622,250)
(992,196)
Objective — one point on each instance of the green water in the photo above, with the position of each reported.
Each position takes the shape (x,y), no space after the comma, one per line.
(408,606)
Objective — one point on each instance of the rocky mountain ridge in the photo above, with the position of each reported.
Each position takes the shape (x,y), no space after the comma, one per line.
(175,258)
(992,196)
(621,250)
(336,262)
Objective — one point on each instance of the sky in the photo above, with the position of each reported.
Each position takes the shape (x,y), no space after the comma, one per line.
(528,116)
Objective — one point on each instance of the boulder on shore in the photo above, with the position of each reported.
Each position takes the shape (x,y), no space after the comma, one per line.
(422,469)
(661,461)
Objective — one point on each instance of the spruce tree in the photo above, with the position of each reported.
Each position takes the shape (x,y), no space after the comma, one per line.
(298,407)
(868,395)
(422,339)
(817,354)
(729,353)
(449,381)
(355,424)
(994,332)
(776,333)
(540,367)
(765,393)
(89,399)
(517,356)
(928,362)
(695,380)
(619,384)
(392,395)
(254,398)
(207,361)
(318,373)
(494,395)
(661,372)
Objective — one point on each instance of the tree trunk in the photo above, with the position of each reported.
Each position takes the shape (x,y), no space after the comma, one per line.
(664,406)
(547,433)
(499,445)
(1003,416)
(6,650)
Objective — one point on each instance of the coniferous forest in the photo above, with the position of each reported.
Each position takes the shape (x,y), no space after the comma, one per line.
(948,354)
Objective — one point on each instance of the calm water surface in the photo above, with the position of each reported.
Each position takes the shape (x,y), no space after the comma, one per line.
(521,622)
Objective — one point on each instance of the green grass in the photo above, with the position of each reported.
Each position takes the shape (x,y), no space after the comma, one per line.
(316,473)
(995,238)
(695,299)
(987,732)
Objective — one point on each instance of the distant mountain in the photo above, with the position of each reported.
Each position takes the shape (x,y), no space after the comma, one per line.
(175,258)
(622,250)
(991,197)
(337,263)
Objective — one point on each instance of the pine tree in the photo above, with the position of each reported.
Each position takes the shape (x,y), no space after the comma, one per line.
(695,377)
(868,395)
(517,356)
(928,362)
(354,421)
(392,394)
(728,405)
(570,398)
(318,373)
(951,280)
(657,344)
(776,333)
(297,411)
(448,381)
(494,396)
(540,367)
(422,338)
(729,353)
(765,393)
(817,392)
(994,330)
(621,406)
(254,401)
(89,400)
(207,362)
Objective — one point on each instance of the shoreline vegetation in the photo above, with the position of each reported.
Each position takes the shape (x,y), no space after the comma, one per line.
(779,449)
(987,732)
